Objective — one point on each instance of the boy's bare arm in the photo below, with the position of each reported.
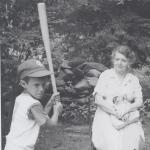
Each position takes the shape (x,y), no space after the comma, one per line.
(36,113)
(57,109)
(41,116)
(51,102)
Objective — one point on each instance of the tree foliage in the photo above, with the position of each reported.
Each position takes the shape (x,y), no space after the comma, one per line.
(88,29)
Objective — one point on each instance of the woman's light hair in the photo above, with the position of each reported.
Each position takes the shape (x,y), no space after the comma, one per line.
(126,51)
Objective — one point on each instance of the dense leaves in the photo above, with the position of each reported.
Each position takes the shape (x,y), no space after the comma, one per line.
(80,31)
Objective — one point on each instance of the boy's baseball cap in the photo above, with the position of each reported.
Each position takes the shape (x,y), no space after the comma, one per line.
(32,68)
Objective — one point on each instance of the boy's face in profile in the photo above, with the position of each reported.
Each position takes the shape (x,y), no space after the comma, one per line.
(35,86)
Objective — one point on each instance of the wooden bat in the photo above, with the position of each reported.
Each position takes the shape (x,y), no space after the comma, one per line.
(46,40)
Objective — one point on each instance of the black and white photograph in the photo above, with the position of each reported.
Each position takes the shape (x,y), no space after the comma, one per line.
(75,74)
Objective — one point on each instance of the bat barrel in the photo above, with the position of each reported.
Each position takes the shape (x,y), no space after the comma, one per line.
(46,40)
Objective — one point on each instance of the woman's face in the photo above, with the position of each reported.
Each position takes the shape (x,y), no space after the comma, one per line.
(120,63)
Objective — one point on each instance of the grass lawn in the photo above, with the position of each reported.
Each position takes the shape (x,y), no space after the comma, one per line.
(75,137)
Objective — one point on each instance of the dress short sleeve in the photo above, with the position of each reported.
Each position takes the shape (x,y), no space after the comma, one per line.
(37,113)
(101,84)
(137,89)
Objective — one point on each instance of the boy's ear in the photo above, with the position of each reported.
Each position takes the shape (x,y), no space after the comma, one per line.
(23,83)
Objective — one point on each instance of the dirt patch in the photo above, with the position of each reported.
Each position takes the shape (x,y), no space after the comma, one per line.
(146,126)
(64,137)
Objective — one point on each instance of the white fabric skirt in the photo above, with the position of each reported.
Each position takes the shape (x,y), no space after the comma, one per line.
(106,137)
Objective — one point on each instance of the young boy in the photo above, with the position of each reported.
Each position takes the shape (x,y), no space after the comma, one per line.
(28,113)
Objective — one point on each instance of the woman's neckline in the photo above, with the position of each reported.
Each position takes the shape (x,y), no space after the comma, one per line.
(120,77)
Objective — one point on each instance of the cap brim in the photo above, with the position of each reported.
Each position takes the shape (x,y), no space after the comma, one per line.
(41,73)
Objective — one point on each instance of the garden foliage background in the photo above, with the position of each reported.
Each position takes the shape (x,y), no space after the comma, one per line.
(80,31)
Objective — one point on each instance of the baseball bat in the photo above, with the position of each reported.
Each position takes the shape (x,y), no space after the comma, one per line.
(46,40)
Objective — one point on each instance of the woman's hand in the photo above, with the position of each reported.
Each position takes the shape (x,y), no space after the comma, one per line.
(113,112)
(120,111)
(117,112)
(119,127)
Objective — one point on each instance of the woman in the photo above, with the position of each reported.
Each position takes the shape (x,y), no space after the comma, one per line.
(118,84)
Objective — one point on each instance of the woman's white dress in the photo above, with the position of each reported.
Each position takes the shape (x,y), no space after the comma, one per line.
(104,135)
